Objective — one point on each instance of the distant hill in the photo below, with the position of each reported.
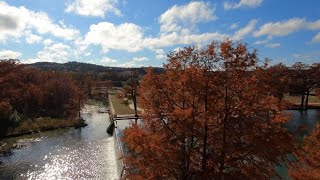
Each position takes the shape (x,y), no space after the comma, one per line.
(84,67)
(118,75)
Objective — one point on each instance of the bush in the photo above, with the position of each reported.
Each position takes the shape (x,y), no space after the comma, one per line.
(5,120)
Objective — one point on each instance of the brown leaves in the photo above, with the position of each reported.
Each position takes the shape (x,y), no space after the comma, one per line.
(208,115)
(307,164)
(38,93)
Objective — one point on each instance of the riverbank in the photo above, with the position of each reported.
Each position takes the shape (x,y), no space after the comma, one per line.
(298,107)
(37,125)
(44,124)
(294,102)
(70,153)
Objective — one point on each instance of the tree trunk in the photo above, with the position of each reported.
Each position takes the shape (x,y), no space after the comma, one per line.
(302,102)
(307,100)
(134,98)
(79,107)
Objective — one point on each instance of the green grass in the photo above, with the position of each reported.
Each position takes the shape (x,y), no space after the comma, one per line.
(119,105)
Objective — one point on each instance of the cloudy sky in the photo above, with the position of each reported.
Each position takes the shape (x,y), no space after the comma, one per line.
(141,32)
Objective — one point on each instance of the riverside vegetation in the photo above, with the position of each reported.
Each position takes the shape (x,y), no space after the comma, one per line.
(33,100)
(209,113)
(218,113)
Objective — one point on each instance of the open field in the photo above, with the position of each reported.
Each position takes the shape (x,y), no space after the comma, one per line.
(119,105)
(313,100)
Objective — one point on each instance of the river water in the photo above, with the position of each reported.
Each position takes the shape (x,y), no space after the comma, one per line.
(88,153)
(303,122)
(84,153)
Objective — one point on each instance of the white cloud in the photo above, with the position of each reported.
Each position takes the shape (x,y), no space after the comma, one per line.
(180,38)
(87,54)
(280,28)
(261,42)
(244,31)
(107,60)
(314,25)
(287,27)
(160,54)
(8,54)
(165,40)
(32,38)
(130,37)
(136,61)
(18,21)
(126,36)
(140,59)
(47,42)
(242,3)
(273,45)
(54,53)
(97,8)
(316,38)
(187,16)
(234,26)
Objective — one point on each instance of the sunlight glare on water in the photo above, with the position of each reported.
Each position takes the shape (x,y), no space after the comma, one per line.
(73,162)
(87,153)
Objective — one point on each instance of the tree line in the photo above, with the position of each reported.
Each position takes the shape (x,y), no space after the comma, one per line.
(217,113)
(298,80)
(28,92)
(118,75)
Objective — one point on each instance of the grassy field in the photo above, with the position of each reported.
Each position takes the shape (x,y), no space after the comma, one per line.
(44,124)
(119,105)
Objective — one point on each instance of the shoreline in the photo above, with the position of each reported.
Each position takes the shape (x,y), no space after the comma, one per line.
(80,124)
(33,128)
(297,107)
(41,124)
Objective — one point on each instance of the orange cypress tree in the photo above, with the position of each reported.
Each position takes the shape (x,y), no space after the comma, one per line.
(307,165)
(207,116)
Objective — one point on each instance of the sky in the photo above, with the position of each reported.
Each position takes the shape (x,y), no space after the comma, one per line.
(134,33)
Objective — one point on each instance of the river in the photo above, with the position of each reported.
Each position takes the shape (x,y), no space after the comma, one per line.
(88,153)
(306,119)
(84,153)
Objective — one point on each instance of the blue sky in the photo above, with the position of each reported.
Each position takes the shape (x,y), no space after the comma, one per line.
(141,32)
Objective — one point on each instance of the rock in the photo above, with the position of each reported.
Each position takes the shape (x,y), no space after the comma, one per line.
(19,146)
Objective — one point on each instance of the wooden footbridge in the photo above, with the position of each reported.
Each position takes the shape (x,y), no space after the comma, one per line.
(117,124)
(115,118)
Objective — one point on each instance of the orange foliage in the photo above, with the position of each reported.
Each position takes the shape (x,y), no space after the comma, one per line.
(307,165)
(37,93)
(207,116)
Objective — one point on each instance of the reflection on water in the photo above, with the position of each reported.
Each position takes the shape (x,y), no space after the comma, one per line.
(86,153)
(302,122)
